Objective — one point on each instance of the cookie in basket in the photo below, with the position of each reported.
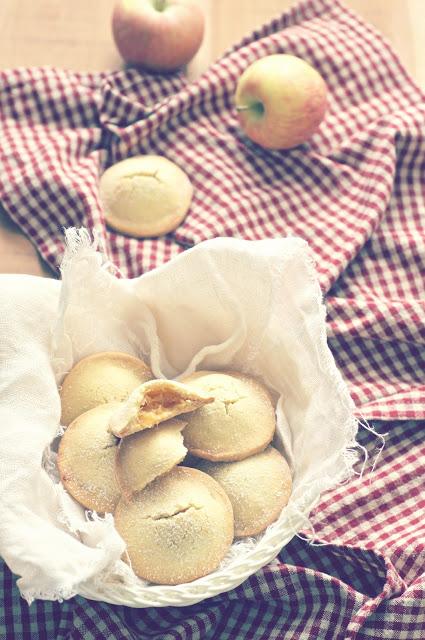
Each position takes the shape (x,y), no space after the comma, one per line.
(145,455)
(99,378)
(240,422)
(178,529)
(152,403)
(258,488)
(86,458)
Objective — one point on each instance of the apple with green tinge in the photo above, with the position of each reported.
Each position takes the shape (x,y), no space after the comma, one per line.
(281,101)
(160,35)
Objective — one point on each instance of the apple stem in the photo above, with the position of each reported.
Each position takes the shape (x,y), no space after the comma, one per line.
(160,4)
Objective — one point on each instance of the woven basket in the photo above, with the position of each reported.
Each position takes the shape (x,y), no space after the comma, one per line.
(253,307)
(267,548)
(262,260)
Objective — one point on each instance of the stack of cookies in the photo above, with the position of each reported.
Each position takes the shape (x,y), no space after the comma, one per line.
(185,467)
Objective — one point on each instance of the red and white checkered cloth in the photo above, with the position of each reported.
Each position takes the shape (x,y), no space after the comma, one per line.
(357,194)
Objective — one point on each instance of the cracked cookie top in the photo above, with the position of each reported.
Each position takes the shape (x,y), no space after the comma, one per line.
(240,422)
(145,195)
(178,529)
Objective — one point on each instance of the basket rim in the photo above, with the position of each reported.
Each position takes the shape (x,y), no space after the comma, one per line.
(269,545)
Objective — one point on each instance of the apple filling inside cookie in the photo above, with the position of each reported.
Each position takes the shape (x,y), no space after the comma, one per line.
(153,403)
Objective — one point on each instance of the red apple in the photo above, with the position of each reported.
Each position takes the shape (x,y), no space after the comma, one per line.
(281,101)
(160,35)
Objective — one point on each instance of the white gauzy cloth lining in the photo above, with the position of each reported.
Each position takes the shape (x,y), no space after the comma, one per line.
(225,304)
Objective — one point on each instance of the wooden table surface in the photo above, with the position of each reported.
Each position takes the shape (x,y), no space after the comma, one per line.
(75,34)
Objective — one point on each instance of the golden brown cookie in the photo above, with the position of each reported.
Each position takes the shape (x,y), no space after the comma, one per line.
(86,460)
(145,196)
(99,378)
(152,403)
(240,422)
(145,455)
(178,529)
(258,488)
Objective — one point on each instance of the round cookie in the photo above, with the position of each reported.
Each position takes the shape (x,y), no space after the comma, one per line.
(99,378)
(178,529)
(145,195)
(145,455)
(240,422)
(86,460)
(258,488)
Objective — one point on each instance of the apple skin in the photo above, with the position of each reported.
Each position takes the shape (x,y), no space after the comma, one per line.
(158,39)
(281,101)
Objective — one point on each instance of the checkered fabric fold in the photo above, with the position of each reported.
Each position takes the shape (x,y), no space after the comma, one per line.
(356,193)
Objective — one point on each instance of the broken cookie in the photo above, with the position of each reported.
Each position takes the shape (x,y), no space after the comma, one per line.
(154,402)
(147,454)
